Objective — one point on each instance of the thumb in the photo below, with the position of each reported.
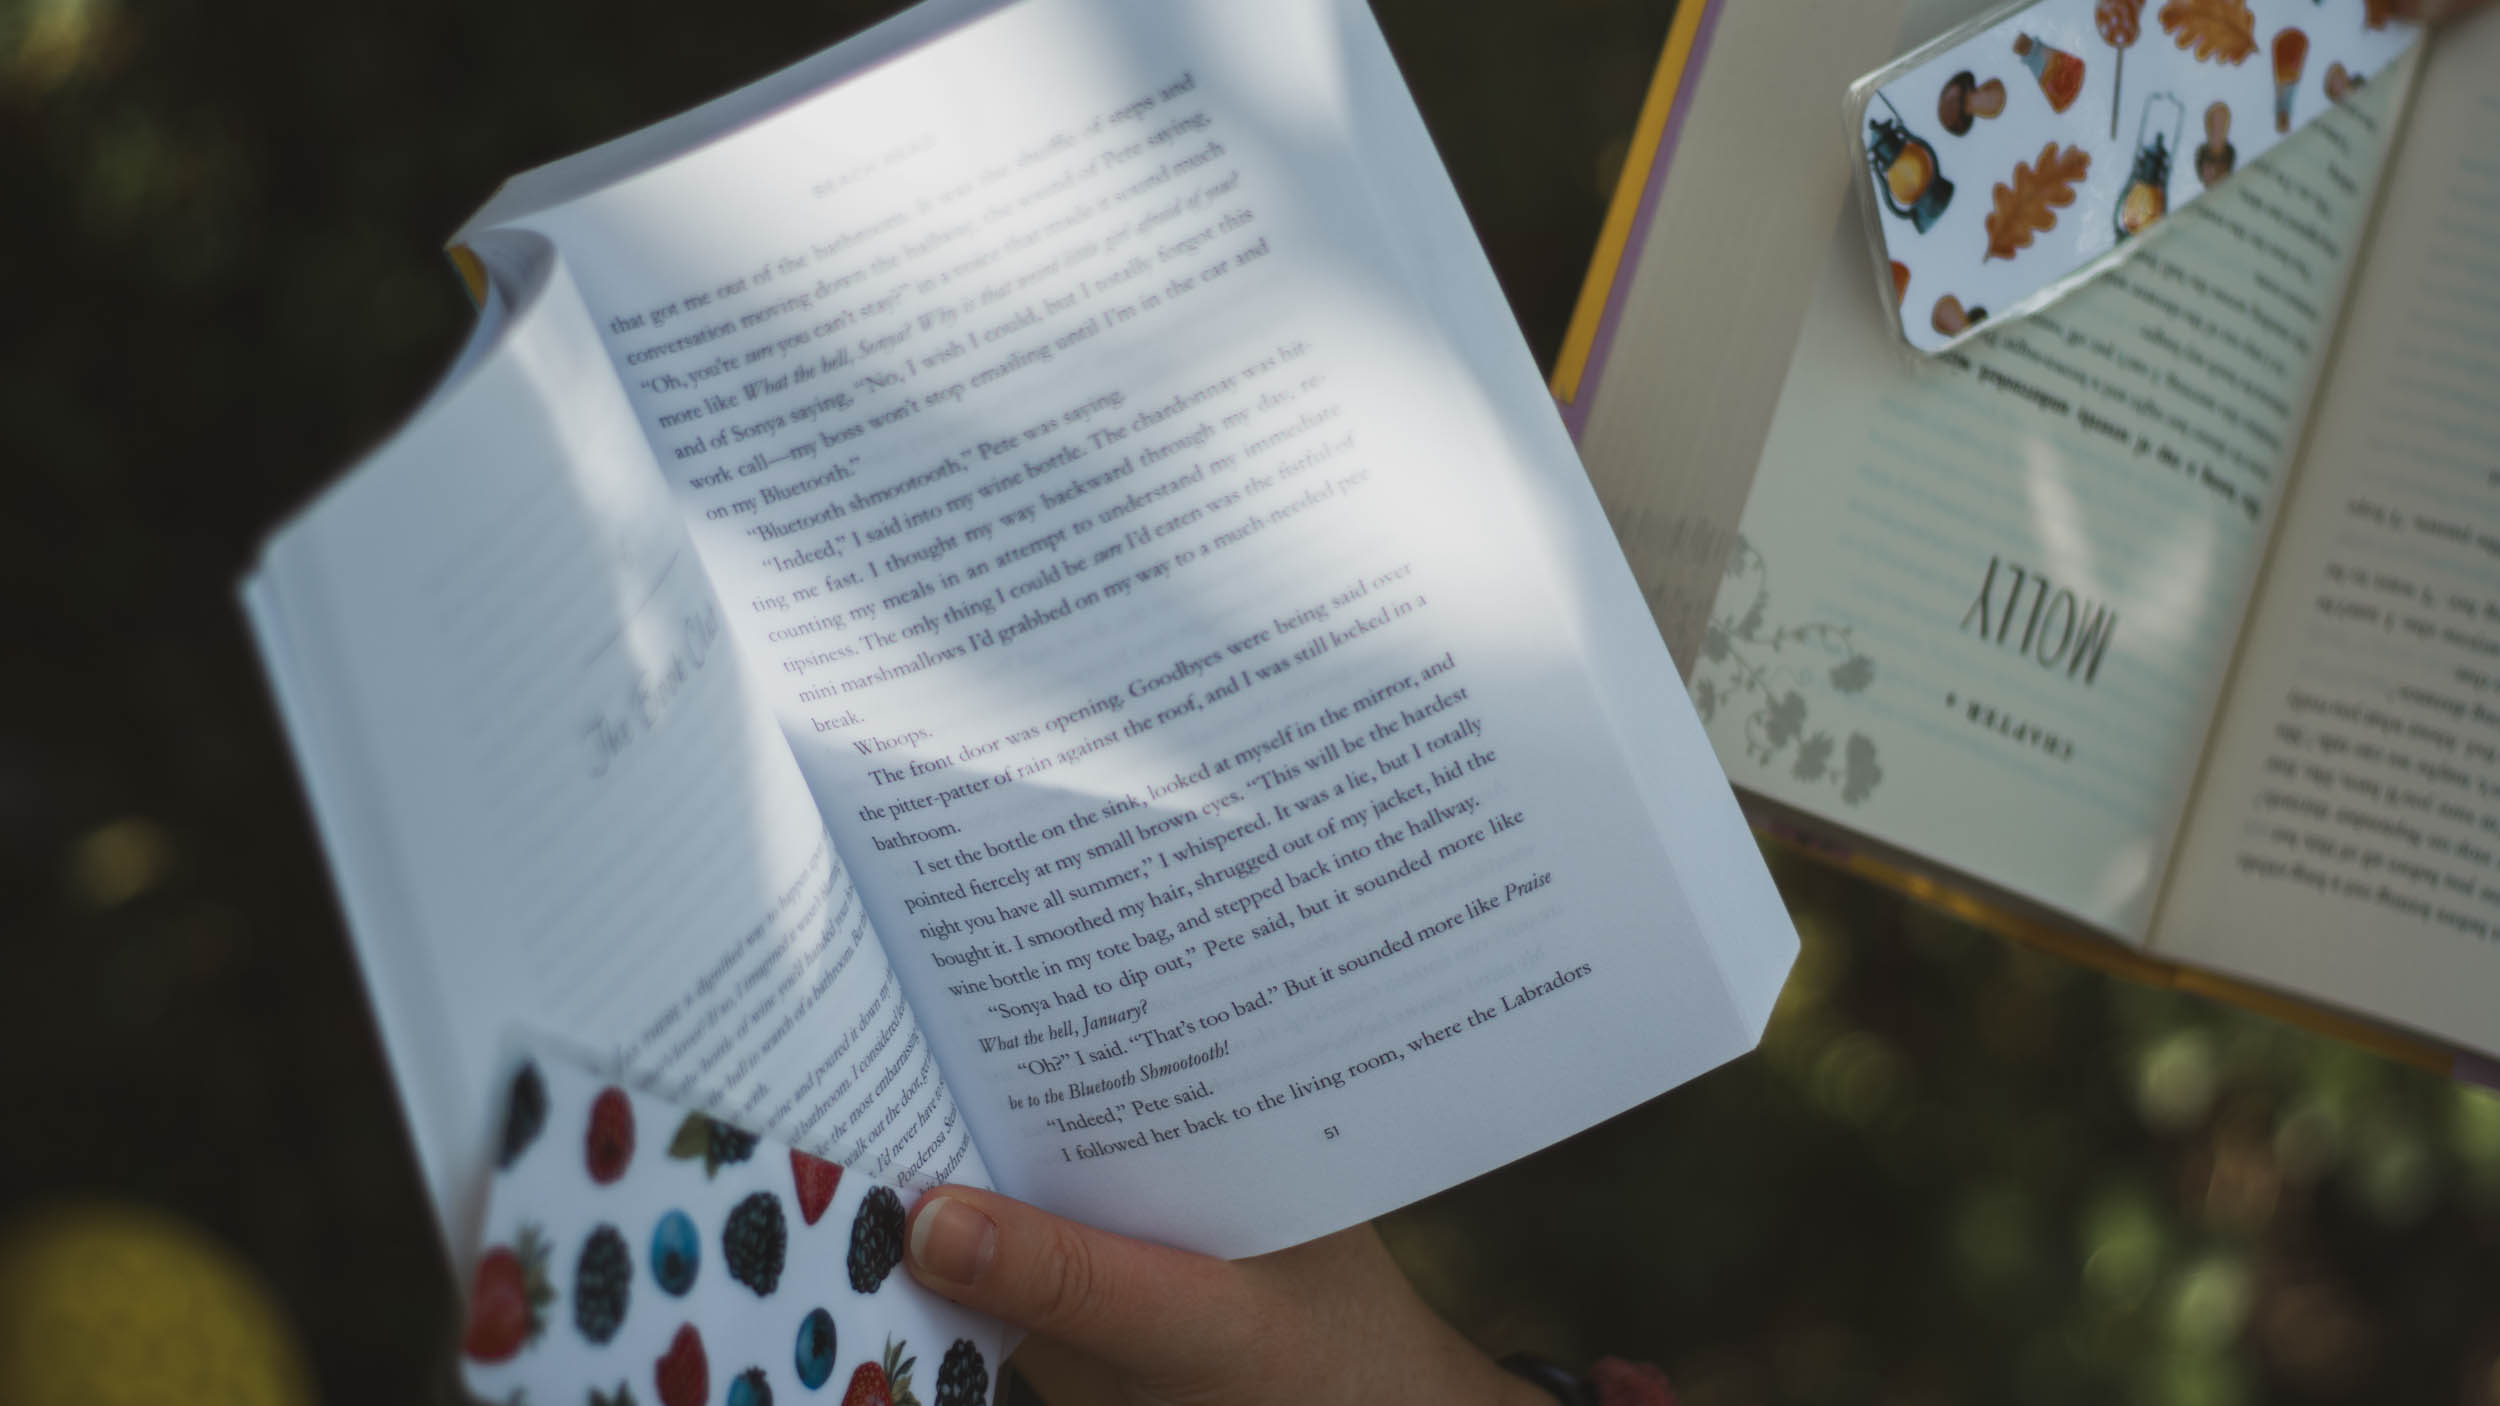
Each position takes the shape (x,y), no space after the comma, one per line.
(1150,1309)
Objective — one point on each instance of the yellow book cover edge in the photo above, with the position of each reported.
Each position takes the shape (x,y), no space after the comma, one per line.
(2128,964)
(1614,238)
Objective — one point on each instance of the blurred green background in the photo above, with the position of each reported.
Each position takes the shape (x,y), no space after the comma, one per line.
(1958,1171)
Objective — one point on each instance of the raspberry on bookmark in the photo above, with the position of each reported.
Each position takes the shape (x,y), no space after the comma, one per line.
(608,1148)
(682,1375)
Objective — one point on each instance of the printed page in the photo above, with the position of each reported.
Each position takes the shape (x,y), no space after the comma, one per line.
(1676,407)
(1980,606)
(554,804)
(1176,638)
(2345,841)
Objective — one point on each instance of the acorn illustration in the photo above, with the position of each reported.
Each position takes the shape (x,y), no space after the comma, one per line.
(2216,158)
(1951,319)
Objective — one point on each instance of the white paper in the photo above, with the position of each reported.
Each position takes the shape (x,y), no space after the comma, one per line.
(2346,840)
(952,235)
(556,804)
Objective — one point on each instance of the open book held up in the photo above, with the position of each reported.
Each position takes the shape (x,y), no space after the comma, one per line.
(1007,605)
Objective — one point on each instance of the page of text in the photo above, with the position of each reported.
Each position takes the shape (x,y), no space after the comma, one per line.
(590,827)
(2345,842)
(1165,627)
(1980,607)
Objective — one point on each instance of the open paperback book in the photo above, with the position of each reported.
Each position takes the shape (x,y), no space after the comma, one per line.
(2165,623)
(1008,605)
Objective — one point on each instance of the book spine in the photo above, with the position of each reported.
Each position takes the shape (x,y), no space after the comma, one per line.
(1627,215)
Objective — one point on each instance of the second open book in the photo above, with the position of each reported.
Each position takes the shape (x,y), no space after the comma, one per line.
(1008,605)
(2172,613)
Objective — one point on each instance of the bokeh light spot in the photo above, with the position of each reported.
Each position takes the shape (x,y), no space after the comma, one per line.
(2175,1081)
(119,861)
(2209,1303)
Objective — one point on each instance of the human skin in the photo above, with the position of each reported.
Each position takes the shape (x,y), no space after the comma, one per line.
(1114,1319)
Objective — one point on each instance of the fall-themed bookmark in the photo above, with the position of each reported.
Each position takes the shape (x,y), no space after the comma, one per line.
(2016,100)
(2147,196)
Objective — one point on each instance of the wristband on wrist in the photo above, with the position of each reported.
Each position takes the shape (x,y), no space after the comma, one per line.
(1610,1381)
(1556,1380)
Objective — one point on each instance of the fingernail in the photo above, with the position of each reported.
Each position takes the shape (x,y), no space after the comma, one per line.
(953,1241)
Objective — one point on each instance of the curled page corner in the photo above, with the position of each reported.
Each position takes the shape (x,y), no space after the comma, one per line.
(2012,160)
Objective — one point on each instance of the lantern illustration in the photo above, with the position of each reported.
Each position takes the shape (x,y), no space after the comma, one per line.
(2147,196)
(1905,170)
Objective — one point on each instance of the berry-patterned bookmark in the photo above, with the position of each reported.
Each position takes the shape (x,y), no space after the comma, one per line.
(2011,160)
(635,1252)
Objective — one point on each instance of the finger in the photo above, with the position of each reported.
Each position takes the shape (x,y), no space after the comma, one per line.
(1144,1307)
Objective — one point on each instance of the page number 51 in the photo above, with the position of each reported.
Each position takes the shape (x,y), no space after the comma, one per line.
(1329,1132)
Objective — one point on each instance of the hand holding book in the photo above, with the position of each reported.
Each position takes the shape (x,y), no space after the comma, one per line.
(1054,638)
(1120,1319)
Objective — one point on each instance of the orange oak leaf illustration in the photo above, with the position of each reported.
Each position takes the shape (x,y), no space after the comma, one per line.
(2030,205)
(2222,31)
(2376,13)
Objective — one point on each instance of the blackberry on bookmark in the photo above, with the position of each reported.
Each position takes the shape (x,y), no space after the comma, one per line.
(603,1280)
(749,1388)
(712,1141)
(963,1378)
(754,1241)
(886,1382)
(730,1144)
(817,1346)
(524,1113)
(876,1239)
